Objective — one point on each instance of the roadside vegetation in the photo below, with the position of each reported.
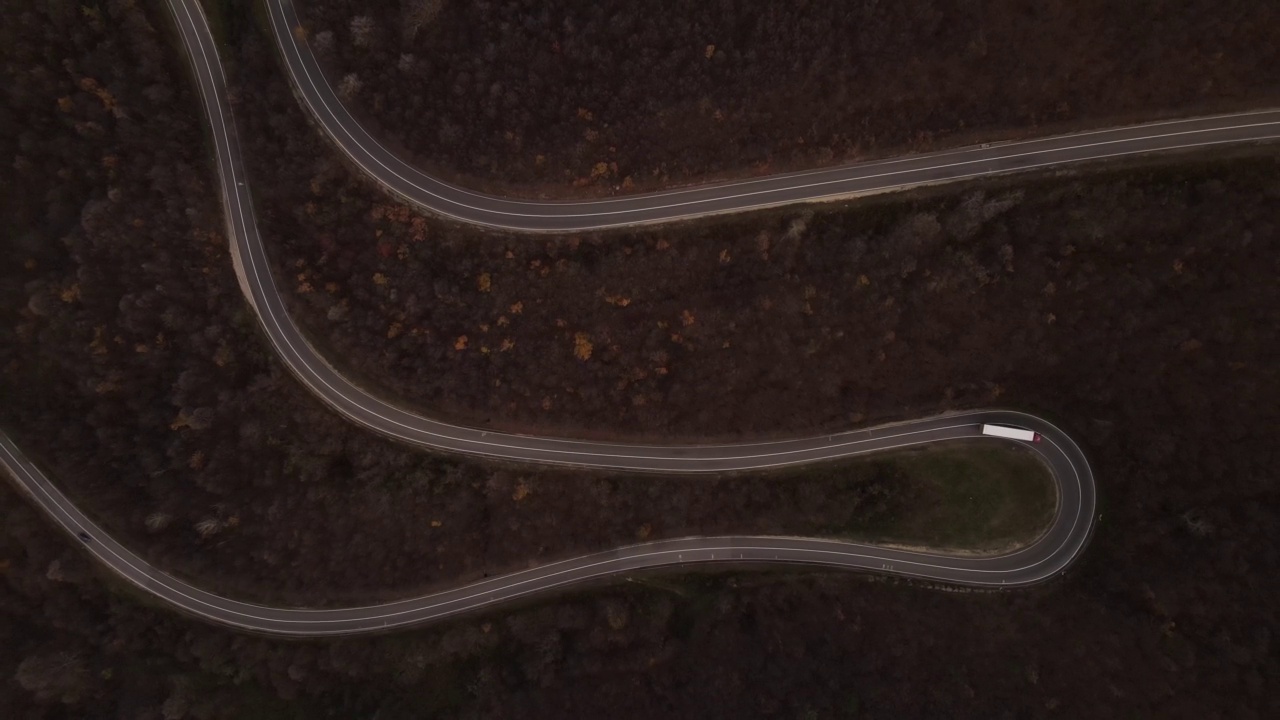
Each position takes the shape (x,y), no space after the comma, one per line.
(1135,306)
(812,319)
(611,96)
(166,414)
(969,499)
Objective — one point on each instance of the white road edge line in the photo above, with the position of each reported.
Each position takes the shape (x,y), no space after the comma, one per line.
(1052,553)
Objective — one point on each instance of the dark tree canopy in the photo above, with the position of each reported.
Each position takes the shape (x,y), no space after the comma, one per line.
(1136,307)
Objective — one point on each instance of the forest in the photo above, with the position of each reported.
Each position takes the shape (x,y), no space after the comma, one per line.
(1135,307)
(778,322)
(559,97)
(135,372)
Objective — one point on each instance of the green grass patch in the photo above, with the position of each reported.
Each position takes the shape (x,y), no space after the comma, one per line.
(963,497)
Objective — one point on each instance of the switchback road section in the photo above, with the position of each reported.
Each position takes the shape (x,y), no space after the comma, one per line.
(1041,560)
(1045,558)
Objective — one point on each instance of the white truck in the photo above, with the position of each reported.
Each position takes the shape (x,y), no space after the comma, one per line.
(1010,433)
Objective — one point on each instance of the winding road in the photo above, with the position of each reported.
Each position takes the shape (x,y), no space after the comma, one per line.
(1048,556)
(441,198)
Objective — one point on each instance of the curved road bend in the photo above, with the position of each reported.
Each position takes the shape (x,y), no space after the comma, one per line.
(439,197)
(1048,556)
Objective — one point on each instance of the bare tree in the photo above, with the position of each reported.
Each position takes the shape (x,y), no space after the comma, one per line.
(323,41)
(158,521)
(362,30)
(208,527)
(418,13)
(349,87)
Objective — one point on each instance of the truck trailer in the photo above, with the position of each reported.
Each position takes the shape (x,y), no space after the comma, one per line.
(1010,433)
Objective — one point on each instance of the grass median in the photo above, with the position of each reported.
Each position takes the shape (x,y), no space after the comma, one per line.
(963,498)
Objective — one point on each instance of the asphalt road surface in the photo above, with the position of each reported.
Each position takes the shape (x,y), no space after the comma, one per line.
(441,198)
(1043,559)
